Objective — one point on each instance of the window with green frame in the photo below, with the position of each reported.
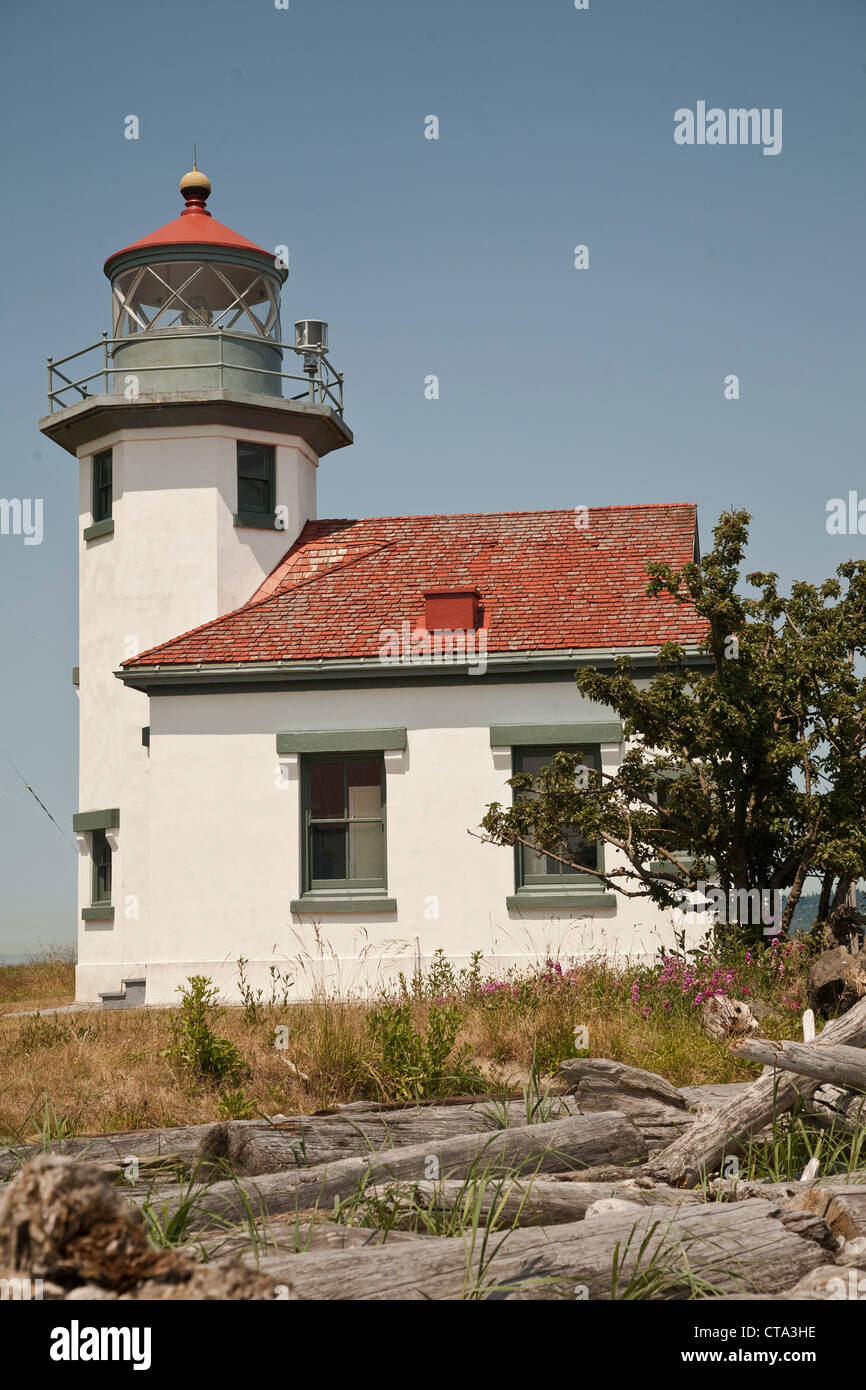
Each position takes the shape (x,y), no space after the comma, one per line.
(100,852)
(256,478)
(102,486)
(343,821)
(534,870)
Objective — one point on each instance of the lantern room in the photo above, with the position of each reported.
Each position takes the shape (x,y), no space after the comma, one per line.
(196,306)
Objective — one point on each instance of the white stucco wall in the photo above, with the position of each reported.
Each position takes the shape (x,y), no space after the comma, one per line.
(175,560)
(213,839)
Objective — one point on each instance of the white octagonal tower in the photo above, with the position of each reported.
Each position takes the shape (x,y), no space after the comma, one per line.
(198,434)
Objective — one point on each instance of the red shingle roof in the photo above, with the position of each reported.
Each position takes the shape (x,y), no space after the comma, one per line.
(545,584)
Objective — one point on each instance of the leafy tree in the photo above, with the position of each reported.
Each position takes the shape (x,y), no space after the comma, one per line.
(745,762)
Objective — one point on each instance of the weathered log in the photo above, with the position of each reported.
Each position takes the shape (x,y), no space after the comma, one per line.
(842,1207)
(836,977)
(737,1247)
(722,1017)
(725,1130)
(250,1149)
(837,1064)
(528,1203)
(168,1145)
(710,1097)
(577,1142)
(597,1082)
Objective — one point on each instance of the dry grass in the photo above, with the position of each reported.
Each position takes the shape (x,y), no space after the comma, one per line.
(95,1072)
(98,1072)
(44,981)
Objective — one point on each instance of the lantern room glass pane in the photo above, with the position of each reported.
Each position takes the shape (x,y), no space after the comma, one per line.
(171,295)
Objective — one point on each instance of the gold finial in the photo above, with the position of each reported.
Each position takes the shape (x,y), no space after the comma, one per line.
(195,185)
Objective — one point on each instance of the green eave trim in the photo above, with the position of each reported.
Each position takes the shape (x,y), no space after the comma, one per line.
(264,521)
(99,528)
(347,741)
(96,820)
(321,907)
(540,902)
(212,677)
(99,912)
(525,735)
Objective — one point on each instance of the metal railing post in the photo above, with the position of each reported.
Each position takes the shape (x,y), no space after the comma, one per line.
(50,386)
(220,340)
(105,357)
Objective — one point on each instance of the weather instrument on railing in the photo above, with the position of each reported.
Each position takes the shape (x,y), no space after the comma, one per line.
(311,335)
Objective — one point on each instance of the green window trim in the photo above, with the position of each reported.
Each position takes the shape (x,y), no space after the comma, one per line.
(333,891)
(263,521)
(98,912)
(560,884)
(316,905)
(99,528)
(100,854)
(76,675)
(102,486)
(540,735)
(345,741)
(256,479)
(96,820)
(537,900)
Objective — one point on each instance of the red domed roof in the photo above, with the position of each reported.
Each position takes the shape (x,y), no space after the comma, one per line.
(195,226)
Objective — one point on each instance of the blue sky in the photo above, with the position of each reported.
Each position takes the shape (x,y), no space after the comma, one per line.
(452,257)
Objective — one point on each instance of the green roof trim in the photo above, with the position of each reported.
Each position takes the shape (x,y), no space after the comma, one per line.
(342,741)
(539,735)
(96,820)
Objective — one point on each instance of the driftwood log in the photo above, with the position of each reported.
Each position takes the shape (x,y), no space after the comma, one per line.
(840,1065)
(725,1130)
(302,1141)
(738,1247)
(578,1142)
(533,1203)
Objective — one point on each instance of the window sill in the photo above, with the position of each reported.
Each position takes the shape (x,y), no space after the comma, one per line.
(536,900)
(264,521)
(98,912)
(311,905)
(99,528)
(660,866)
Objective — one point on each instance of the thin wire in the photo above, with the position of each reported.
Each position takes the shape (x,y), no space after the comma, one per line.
(71,843)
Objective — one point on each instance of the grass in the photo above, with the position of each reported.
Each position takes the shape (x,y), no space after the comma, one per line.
(442,1032)
(43,981)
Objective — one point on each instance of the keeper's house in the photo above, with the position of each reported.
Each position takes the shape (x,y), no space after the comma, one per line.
(289,726)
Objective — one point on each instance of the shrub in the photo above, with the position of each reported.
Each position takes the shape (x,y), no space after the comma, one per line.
(194,1044)
(414,1064)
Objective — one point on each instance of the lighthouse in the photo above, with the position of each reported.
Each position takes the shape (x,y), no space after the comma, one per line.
(198,433)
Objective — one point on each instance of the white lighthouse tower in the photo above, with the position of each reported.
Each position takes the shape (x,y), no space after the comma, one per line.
(198,434)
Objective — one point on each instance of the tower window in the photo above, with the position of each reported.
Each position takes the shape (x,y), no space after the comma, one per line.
(101,856)
(256,478)
(102,486)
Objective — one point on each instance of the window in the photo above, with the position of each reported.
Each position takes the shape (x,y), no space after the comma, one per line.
(536,870)
(102,482)
(101,856)
(344,821)
(256,479)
